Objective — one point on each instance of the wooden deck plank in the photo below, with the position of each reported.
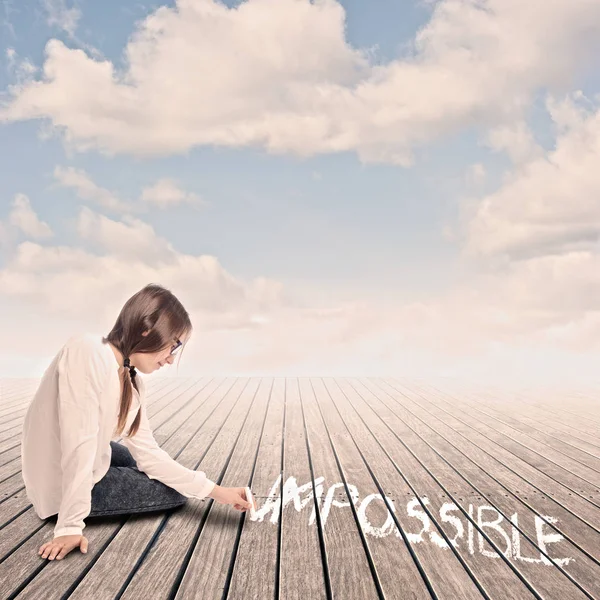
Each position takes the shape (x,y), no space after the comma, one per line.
(260,543)
(300,541)
(109,568)
(216,544)
(349,569)
(441,486)
(527,425)
(9,388)
(520,537)
(115,564)
(314,445)
(587,437)
(517,419)
(10,413)
(560,402)
(585,534)
(24,554)
(544,459)
(18,394)
(208,449)
(17,398)
(583,410)
(559,411)
(562,406)
(585,429)
(390,529)
(14,466)
(18,503)
(546,485)
(11,470)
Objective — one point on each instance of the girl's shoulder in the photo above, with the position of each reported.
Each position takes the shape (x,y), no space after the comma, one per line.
(91,345)
(86,339)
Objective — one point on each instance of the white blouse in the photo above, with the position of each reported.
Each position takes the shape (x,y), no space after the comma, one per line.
(65,444)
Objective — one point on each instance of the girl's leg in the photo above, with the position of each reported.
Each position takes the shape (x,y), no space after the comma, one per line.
(121,457)
(126,490)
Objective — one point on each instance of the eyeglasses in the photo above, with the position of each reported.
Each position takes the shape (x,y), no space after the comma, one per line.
(176,347)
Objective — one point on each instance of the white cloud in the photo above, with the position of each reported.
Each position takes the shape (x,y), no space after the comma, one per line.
(8,237)
(22,219)
(550,204)
(537,242)
(130,254)
(86,189)
(475,175)
(199,73)
(545,305)
(11,56)
(22,69)
(58,14)
(166,193)
(517,140)
(188,83)
(130,240)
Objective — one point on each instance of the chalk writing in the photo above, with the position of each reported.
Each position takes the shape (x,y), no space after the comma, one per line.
(485,516)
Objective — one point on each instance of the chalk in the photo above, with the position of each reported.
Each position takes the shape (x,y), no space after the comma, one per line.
(251,500)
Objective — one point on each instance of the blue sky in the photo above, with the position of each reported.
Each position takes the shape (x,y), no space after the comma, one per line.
(378,215)
(331,227)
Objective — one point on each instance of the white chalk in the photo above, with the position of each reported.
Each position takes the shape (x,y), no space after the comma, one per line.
(251,500)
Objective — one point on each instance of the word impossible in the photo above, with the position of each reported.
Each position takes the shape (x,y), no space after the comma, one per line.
(485,516)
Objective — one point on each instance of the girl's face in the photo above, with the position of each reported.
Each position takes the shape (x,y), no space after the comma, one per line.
(153,361)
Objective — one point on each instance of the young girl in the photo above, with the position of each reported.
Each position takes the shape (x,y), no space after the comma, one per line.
(89,394)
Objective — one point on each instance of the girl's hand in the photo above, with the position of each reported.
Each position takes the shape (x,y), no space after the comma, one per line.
(236,496)
(60,546)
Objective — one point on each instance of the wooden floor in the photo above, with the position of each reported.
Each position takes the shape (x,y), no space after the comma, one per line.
(391,489)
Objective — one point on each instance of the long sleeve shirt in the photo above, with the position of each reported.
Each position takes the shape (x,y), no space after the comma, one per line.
(68,427)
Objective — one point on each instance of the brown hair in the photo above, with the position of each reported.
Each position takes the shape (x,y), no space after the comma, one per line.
(153,309)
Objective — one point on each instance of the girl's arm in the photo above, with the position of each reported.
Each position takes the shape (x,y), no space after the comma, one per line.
(82,373)
(158,464)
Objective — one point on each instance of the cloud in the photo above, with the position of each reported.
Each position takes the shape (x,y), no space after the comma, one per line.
(536,242)
(545,305)
(86,189)
(7,237)
(186,82)
(127,254)
(199,74)
(22,70)
(475,175)
(61,16)
(549,206)
(22,219)
(166,193)
(11,56)
(516,139)
(130,240)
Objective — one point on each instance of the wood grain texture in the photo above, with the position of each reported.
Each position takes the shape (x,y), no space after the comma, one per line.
(367,488)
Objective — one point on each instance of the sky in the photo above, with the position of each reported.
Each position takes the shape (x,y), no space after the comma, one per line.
(336,188)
